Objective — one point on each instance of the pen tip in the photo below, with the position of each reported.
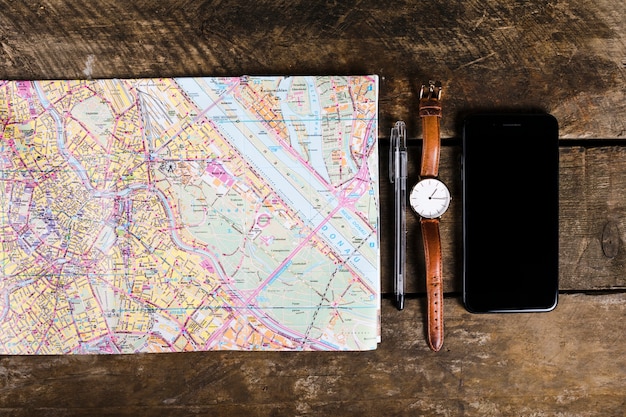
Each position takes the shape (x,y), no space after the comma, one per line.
(400,302)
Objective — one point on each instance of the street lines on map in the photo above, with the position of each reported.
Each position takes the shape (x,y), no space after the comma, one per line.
(277,178)
(236,138)
(245,304)
(124,163)
(186,247)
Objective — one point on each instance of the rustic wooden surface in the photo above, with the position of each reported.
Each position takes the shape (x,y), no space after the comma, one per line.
(564,57)
(497,365)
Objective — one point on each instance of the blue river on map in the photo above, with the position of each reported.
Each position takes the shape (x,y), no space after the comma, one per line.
(288,192)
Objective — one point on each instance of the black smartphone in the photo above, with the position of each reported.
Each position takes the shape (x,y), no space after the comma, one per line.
(510,181)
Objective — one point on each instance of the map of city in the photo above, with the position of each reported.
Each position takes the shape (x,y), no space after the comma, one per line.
(189,214)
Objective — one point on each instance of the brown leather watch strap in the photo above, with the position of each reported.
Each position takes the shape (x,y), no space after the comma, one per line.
(430,112)
(434,282)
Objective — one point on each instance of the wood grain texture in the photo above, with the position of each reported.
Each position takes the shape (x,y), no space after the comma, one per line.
(491,365)
(566,57)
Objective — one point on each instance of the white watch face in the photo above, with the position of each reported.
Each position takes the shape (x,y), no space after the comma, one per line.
(430,198)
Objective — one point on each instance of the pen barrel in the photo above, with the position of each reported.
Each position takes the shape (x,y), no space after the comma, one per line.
(400,223)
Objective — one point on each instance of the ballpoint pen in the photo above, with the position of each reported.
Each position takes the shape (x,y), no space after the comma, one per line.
(397,175)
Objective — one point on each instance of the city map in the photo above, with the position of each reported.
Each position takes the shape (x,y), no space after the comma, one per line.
(189,214)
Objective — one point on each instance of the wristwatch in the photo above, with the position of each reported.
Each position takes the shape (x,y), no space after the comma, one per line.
(430,199)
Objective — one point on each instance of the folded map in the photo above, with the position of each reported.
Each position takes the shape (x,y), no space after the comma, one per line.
(189,214)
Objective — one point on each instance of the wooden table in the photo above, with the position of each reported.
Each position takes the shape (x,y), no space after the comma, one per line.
(566,57)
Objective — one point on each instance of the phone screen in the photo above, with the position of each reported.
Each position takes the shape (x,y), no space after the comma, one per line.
(510,184)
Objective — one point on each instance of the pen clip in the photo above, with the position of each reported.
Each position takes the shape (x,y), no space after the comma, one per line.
(398,144)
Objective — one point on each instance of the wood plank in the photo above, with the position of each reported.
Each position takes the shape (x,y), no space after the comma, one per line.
(491,365)
(567,58)
(593,213)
